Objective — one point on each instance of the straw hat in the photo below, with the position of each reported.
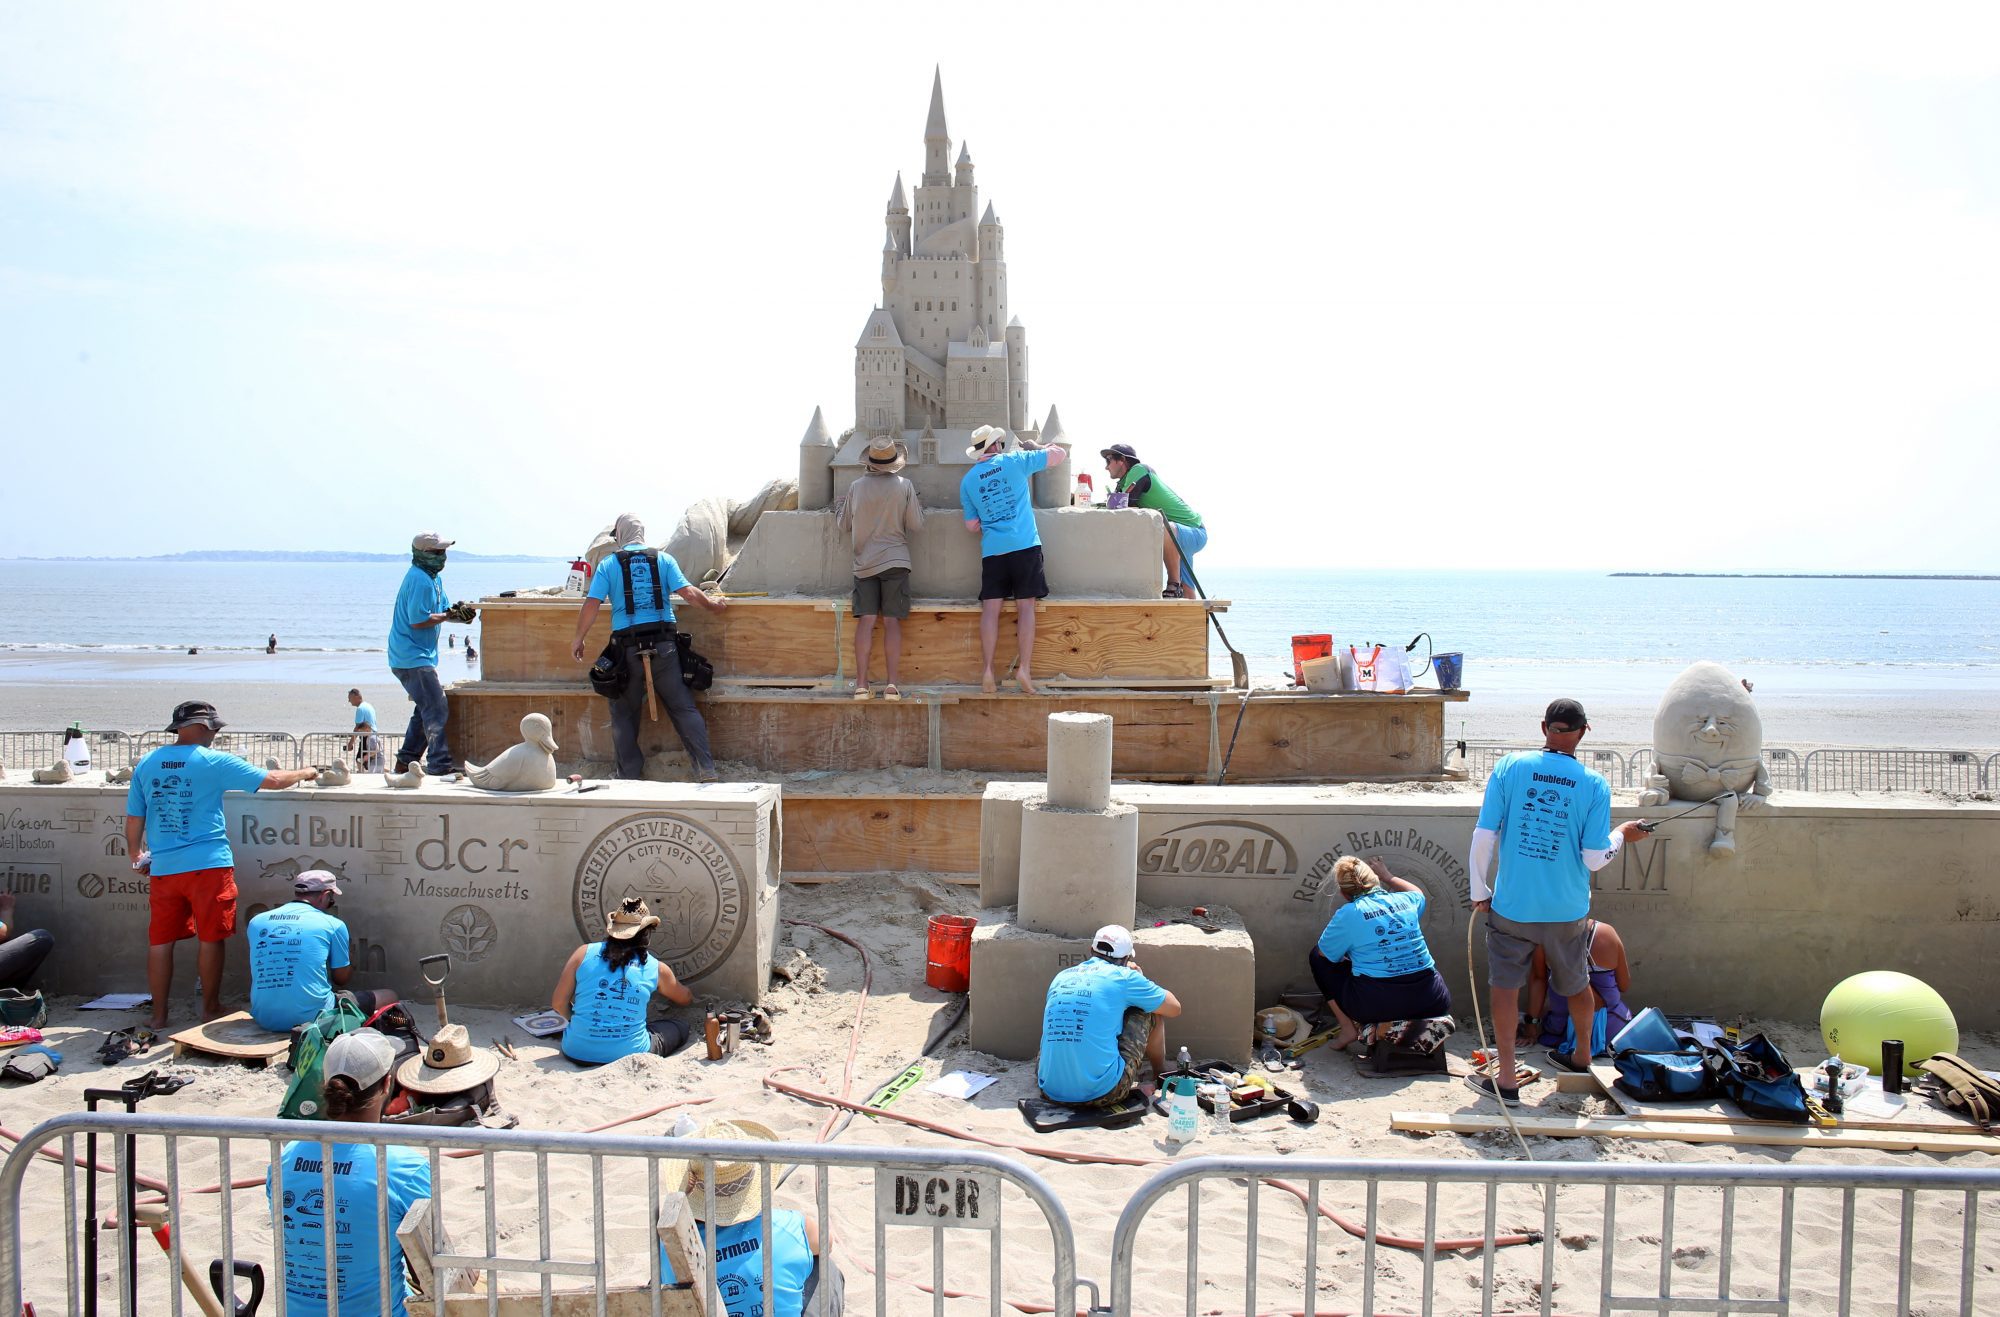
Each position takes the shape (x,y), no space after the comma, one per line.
(739,1186)
(459,1068)
(1282,1025)
(981,437)
(885,455)
(630,919)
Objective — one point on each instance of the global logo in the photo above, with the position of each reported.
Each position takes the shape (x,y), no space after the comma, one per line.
(90,885)
(684,874)
(1220,848)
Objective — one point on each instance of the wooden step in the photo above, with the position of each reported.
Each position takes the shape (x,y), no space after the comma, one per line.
(809,639)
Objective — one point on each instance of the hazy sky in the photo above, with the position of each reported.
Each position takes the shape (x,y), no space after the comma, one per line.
(1672,287)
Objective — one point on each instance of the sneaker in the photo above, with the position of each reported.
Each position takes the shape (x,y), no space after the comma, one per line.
(707,775)
(1485,1086)
(1560,1060)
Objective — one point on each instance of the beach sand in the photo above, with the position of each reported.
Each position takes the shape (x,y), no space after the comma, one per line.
(306,692)
(814,1019)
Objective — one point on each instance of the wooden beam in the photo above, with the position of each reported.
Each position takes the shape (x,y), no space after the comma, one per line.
(1738,1133)
(878,834)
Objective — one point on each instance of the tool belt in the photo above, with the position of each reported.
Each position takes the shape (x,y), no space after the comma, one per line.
(1962,1085)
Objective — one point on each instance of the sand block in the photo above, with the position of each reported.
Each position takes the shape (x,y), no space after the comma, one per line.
(1213,975)
(1000,839)
(236,1037)
(1079,869)
(1079,761)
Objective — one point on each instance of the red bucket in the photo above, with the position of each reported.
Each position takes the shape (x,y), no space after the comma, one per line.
(1308,647)
(948,966)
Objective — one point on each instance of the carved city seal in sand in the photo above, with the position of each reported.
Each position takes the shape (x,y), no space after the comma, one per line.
(685,875)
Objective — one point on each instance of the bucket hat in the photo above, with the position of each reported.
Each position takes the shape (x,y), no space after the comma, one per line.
(195,711)
(739,1186)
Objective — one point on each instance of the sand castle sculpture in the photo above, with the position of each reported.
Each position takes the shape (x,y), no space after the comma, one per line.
(529,766)
(1708,742)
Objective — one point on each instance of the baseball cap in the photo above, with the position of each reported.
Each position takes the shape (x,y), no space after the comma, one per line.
(1113,940)
(430,542)
(362,1055)
(1125,451)
(1565,715)
(316,880)
(195,711)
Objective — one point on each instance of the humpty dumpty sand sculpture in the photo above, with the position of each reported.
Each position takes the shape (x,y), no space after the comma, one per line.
(1708,742)
(529,766)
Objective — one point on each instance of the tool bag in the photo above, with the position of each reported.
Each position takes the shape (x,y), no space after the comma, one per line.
(1962,1086)
(611,673)
(1757,1077)
(304,1096)
(696,671)
(1679,1076)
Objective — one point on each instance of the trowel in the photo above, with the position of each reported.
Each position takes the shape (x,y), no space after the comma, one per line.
(450,1039)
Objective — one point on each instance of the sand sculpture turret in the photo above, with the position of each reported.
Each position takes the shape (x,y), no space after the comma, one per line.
(1079,847)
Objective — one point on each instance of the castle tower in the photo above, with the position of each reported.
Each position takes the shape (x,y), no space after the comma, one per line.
(937,139)
(899,217)
(878,376)
(991,278)
(1017,375)
(816,451)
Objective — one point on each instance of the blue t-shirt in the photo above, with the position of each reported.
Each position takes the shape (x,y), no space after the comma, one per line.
(296,1176)
(1381,933)
(607,1018)
(996,494)
(739,1265)
(1548,809)
(364,712)
(291,950)
(1080,1025)
(608,583)
(421,595)
(178,789)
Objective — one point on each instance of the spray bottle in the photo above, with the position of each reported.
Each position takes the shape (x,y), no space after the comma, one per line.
(1183,1115)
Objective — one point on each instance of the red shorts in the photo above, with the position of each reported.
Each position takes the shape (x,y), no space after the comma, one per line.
(200,903)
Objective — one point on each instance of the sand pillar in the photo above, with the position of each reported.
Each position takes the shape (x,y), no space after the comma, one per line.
(1079,848)
(1079,761)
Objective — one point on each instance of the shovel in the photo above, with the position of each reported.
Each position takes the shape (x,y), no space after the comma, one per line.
(1239,667)
(447,1032)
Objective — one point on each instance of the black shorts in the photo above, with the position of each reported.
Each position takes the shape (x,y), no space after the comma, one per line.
(1016,575)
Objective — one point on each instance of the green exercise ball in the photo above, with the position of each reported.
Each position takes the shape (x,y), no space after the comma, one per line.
(1863,1010)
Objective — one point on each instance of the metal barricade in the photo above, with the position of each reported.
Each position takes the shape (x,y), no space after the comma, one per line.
(30,749)
(1481,757)
(531,1180)
(1894,770)
(1787,769)
(325,747)
(1710,1238)
(1639,766)
(260,748)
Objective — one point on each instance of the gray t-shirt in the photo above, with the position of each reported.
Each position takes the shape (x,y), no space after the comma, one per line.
(881,512)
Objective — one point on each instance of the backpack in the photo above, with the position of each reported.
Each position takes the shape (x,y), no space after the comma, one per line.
(304,1096)
(1681,1076)
(1757,1077)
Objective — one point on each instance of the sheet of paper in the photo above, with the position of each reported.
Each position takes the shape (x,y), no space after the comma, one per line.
(1871,1103)
(542,1024)
(961,1083)
(119,1001)
(1705,1032)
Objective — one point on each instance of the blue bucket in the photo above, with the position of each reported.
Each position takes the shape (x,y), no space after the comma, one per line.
(1450,669)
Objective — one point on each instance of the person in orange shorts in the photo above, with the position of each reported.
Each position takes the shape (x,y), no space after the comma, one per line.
(177,836)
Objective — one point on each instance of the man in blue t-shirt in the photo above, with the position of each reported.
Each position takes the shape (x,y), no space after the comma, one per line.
(298,956)
(1102,1018)
(643,620)
(997,498)
(1548,819)
(362,742)
(420,608)
(176,834)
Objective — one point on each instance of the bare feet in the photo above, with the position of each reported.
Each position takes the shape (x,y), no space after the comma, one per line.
(986,682)
(1342,1039)
(1027,687)
(157,1022)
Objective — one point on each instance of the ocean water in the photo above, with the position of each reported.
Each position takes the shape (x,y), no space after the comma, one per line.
(1520,632)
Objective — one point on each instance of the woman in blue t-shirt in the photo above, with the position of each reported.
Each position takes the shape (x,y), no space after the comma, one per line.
(607,990)
(800,1269)
(1372,964)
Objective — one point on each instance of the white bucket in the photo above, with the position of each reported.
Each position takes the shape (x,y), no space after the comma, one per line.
(1330,675)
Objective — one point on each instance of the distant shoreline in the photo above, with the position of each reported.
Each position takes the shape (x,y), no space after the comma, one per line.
(1812,576)
(300,555)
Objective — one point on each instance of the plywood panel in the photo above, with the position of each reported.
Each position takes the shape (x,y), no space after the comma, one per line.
(1161,736)
(1294,738)
(830,735)
(529,640)
(881,834)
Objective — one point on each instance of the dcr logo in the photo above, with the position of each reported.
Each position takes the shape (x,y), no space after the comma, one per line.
(962,1200)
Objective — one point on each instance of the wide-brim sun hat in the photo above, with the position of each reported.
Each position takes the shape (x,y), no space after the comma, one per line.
(892,458)
(981,437)
(420,1076)
(630,919)
(739,1186)
(1283,1025)
(189,712)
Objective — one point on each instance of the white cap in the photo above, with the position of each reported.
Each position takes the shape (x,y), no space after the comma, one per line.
(1113,940)
(363,1055)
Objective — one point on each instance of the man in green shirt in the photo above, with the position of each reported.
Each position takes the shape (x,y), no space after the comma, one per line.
(1185,535)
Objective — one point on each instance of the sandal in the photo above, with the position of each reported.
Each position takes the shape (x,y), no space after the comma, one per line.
(1172,592)
(862,692)
(890,692)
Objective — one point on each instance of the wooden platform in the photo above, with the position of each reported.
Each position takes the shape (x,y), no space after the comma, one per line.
(1159,736)
(805,639)
(235,1038)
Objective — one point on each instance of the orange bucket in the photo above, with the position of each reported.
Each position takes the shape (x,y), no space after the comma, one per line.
(948,966)
(1308,647)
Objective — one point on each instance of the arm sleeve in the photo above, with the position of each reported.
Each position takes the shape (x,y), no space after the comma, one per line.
(600,580)
(336,948)
(1597,821)
(414,605)
(1594,859)
(1334,943)
(1485,841)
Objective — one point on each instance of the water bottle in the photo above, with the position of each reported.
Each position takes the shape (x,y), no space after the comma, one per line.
(1183,1115)
(1218,1108)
